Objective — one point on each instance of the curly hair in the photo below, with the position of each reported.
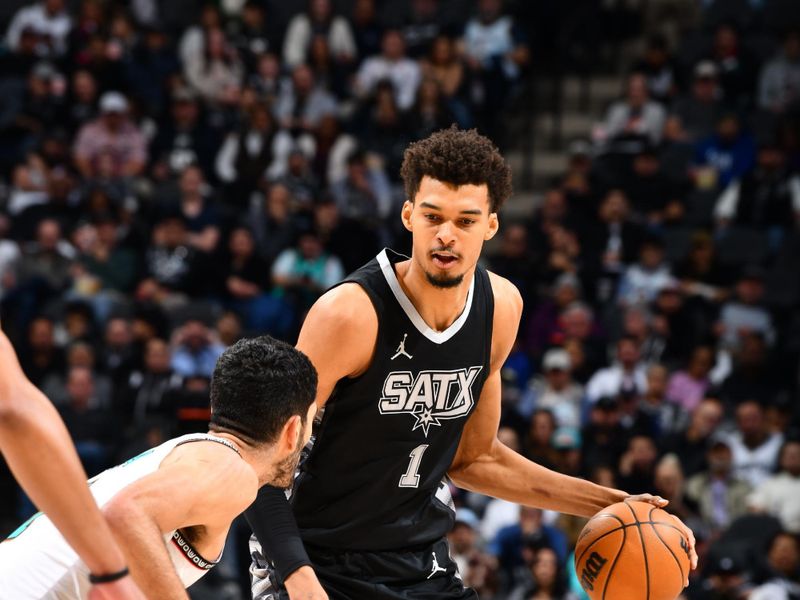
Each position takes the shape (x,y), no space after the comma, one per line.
(457,157)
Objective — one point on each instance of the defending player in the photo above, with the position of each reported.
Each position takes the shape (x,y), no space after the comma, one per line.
(409,353)
(39,452)
(171,507)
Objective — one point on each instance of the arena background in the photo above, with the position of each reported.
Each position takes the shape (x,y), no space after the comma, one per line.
(653,235)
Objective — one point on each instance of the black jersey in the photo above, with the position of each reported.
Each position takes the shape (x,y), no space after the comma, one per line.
(374,479)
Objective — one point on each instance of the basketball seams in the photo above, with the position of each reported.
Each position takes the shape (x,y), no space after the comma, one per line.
(660,539)
(616,558)
(644,549)
(622,526)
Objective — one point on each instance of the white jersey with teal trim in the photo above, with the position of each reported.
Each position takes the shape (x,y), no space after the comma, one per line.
(36,562)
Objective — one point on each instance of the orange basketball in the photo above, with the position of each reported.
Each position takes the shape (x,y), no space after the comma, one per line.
(632,551)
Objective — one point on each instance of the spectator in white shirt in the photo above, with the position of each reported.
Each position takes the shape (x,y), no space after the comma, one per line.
(318,20)
(627,375)
(48,20)
(636,115)
(642,281)
(755,449)
(779,495)
(393,65)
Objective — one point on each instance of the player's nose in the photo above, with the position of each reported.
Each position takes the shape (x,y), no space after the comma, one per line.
(446,234)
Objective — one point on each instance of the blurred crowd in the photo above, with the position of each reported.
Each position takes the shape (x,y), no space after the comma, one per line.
(174,176)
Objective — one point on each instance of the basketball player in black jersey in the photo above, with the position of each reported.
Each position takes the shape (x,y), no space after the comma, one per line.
(409,352)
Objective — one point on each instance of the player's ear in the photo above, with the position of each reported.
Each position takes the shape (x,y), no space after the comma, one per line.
(405,213)
(291,434)
(494,225)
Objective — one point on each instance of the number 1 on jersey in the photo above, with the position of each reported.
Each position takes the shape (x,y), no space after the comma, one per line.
(410,478)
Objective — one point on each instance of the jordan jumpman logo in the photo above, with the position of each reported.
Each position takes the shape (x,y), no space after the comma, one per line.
(401,349)
(436,567)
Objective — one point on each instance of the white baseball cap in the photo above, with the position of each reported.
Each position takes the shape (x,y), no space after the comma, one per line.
(113,102)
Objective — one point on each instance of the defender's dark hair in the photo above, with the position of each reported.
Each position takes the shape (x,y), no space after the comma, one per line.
(457,157)
(257,386)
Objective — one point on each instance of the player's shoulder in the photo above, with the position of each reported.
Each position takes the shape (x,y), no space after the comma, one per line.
(507,299)
(345,307)
(219,472)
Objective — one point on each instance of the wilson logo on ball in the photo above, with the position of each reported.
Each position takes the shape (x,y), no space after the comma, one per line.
(594,564)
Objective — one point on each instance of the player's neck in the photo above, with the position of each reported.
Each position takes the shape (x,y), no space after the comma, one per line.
(438,307)
(252,456)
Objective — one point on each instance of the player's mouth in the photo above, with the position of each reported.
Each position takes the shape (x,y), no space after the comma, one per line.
(444,260)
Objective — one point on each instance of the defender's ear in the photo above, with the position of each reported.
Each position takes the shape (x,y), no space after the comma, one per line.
(494,225)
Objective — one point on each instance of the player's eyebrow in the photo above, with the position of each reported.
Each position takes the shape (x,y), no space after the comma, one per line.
(471,211)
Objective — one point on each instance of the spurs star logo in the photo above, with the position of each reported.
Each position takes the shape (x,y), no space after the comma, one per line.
(436,567)
(429,396)
(401,349)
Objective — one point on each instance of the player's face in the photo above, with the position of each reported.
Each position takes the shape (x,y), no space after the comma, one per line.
(285,469)
(449,226)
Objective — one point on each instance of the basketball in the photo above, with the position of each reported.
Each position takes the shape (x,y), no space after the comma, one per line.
(632,550)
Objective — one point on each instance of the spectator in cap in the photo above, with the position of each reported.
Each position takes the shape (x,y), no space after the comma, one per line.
(111,145)
(745,314)
(727,579)
(778,495)
(700,109)
(755,449)
(50,22)
(779,82)
(555,390)
(152,61)
(464,537)
(719,496)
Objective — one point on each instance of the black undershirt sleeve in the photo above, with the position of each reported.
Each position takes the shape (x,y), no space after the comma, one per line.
(274,525)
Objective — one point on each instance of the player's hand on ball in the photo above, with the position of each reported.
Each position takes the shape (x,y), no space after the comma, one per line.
(304,585)
(123,589)
(661,503)
(650,499)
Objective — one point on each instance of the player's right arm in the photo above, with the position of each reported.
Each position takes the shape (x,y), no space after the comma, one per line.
(38,449)
(338,336)
(199,484)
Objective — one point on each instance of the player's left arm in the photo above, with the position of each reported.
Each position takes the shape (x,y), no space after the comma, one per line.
(198,484)
(483,464)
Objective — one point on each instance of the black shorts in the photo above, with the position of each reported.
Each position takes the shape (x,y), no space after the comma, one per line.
(392,575)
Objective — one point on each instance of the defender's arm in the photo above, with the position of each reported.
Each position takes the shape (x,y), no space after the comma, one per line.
(202,483)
